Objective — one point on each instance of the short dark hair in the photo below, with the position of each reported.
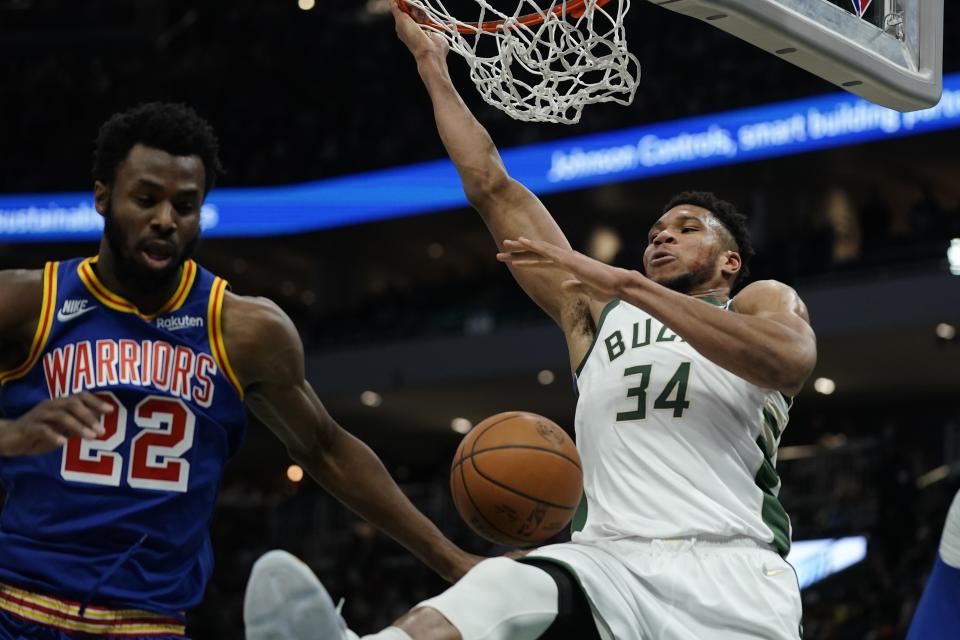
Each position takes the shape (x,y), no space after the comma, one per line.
(174,128)
(731,219)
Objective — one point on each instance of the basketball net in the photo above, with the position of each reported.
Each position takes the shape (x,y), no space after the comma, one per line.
(542,63)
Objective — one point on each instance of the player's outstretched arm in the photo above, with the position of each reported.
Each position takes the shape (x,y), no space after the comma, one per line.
(47,426)
(768,341)
(267,355)
(506,206)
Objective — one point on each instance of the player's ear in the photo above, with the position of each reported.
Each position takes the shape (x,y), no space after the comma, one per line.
(731,263)
(101,197)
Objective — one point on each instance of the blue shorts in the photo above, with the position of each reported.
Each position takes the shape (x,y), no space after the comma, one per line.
(938,614)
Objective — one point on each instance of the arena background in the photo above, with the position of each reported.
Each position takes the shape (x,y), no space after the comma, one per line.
(416,312)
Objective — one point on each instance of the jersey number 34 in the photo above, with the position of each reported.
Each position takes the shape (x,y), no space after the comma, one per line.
(167,427)
(676,387)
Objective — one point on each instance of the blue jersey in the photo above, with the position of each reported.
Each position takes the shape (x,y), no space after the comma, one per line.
(938,613)
(122,520)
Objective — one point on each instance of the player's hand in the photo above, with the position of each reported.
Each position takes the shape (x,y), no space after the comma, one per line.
(422,42)
(48,425)
(600,281)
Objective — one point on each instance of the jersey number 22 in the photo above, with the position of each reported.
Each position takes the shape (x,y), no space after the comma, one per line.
(167,427)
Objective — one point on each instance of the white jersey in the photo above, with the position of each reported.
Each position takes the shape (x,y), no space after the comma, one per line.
(672,444)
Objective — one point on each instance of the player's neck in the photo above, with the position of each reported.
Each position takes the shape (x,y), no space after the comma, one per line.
(146,301)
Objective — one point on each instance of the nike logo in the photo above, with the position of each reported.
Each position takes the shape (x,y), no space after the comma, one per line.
(770,573)
(73,309)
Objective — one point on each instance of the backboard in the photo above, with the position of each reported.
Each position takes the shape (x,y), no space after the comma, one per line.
(891,55)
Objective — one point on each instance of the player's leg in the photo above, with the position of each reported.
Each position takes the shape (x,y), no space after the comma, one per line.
(575,616)
(499,599)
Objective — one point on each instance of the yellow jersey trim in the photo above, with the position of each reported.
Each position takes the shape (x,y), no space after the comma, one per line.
(215,330)
(118,303)
(44,324)
(65,615)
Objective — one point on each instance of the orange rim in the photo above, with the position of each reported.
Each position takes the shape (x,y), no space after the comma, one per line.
(573,9)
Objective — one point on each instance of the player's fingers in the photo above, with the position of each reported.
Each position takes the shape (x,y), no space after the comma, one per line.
(83,412)
(538,245)
(528,263)
(69,425)
(95,403)
(510,256)
(47,438)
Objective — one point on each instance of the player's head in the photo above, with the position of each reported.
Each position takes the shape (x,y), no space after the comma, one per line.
(153,165)
(699,243)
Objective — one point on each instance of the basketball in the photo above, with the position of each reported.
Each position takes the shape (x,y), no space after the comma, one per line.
(516,479)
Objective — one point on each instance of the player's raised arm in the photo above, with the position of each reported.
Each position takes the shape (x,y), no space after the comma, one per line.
(506,206)
(268,358)
(768,341)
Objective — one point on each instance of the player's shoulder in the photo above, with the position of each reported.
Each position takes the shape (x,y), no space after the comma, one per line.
(256,317)
(21,294)
(260,337)
(765,288)
(768,295)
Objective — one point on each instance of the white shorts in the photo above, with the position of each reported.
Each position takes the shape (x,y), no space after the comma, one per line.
(684,589)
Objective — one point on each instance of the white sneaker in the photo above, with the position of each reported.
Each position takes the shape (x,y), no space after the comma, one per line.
(285,601)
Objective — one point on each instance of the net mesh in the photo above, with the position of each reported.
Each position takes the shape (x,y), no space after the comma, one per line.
(542,63)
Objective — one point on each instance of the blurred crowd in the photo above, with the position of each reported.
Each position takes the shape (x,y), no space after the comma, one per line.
(299,95)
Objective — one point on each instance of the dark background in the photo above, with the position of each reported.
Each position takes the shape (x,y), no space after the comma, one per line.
(417,309)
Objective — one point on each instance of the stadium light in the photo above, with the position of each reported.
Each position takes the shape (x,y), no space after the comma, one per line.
(953,256)
(826,386)
(461,425)
(294,473)
(371,399)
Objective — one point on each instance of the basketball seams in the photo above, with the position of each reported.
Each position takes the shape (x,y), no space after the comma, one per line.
(512,490)
(479,512)
(509,416)
(523,446)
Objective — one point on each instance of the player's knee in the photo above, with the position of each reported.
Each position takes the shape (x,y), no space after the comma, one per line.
(499,599)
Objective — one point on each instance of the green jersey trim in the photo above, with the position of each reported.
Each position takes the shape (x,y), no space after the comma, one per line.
(579,520)
(715,301)
(596,336)
(772,512)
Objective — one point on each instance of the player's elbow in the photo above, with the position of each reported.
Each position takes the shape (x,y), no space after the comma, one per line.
(790,371)
(485,187)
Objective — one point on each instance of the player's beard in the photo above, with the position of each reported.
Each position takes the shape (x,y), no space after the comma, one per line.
(686,283)
(133,274)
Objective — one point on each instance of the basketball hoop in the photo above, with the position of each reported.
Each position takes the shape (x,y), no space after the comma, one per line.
(542,63)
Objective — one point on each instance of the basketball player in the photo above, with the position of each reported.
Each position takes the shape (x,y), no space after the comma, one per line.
(683,396)
(125,380)
(938,614)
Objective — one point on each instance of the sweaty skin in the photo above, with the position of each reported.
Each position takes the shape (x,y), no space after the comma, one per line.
(153,219)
